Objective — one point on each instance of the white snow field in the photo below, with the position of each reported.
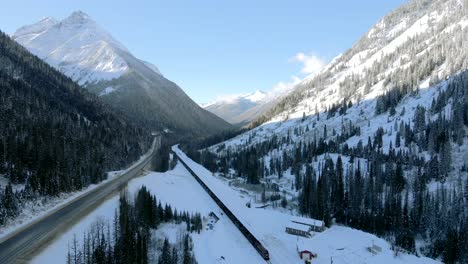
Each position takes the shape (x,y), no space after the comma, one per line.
(338,243)
(179,189)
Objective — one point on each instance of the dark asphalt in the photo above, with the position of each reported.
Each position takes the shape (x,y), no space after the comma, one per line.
(23,244)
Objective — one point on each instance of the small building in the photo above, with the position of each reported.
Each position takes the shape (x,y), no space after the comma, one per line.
(374,249)
(315,225)
(214,216)
(307,255)
(298,229)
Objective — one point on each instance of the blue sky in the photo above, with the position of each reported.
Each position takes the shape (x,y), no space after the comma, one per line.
(213,48)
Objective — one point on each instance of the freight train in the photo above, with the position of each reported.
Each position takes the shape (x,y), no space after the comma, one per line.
(250,237)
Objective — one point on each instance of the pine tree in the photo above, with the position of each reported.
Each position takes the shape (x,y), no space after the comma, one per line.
(175,257)
(165,257)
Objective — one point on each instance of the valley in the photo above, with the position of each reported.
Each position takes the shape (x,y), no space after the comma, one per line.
(108,156)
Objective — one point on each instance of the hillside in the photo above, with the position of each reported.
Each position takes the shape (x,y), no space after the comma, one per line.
(422,39)
(78,47)
(376,141)
(54,136)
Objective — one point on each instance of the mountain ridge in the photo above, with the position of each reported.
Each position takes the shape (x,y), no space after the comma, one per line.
(377,140)
(241,109)
(390,49)
(78,47)
(55,135)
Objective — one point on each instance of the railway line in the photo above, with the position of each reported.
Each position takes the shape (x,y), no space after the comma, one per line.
(248,235)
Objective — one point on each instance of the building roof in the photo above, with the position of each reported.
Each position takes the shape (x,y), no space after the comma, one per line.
(307,221)
(213,215)
(300,227)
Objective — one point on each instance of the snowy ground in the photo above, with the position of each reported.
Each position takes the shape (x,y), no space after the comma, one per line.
(4,182)
(343,244)
(178,188)
(57,251)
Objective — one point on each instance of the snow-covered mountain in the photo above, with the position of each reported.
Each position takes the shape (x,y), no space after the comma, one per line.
(242,109)
(81,49)
(384,121)
(421,39)
(234,108)
(401,63)
(255,97)
(77,46)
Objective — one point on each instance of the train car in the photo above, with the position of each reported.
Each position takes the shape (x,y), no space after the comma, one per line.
(250,237)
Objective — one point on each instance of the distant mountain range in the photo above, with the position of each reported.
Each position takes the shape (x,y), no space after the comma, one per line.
(240,110)
(78,47)
(237,109)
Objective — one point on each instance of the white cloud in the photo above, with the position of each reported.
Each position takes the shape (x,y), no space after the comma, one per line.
(229,98)
(311,62)
(285,87)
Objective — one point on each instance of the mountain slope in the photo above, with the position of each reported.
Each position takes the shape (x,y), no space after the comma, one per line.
(76,46)
(242,109)
(54,136)
(234,108)
(81,49)
(377,140)
(422,39)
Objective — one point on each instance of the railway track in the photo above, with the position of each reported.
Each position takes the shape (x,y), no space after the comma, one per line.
(248,235)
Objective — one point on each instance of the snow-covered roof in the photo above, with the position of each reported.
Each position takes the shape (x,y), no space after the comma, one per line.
(300,227)
(307,221)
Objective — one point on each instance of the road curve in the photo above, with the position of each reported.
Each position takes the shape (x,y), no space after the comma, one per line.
(23,244)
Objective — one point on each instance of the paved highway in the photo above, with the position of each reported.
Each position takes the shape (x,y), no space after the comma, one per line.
(22,245)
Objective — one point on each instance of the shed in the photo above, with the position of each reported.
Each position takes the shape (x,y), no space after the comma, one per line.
(298,229)
(315,225)
(215,217)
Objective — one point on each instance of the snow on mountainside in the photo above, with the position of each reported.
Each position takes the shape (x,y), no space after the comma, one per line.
(410,51)
(421,39)
(151,66)
(77,46)
(241,109)
(417,44)
(394,108)
(255,97)
(230,108)
(277,144)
